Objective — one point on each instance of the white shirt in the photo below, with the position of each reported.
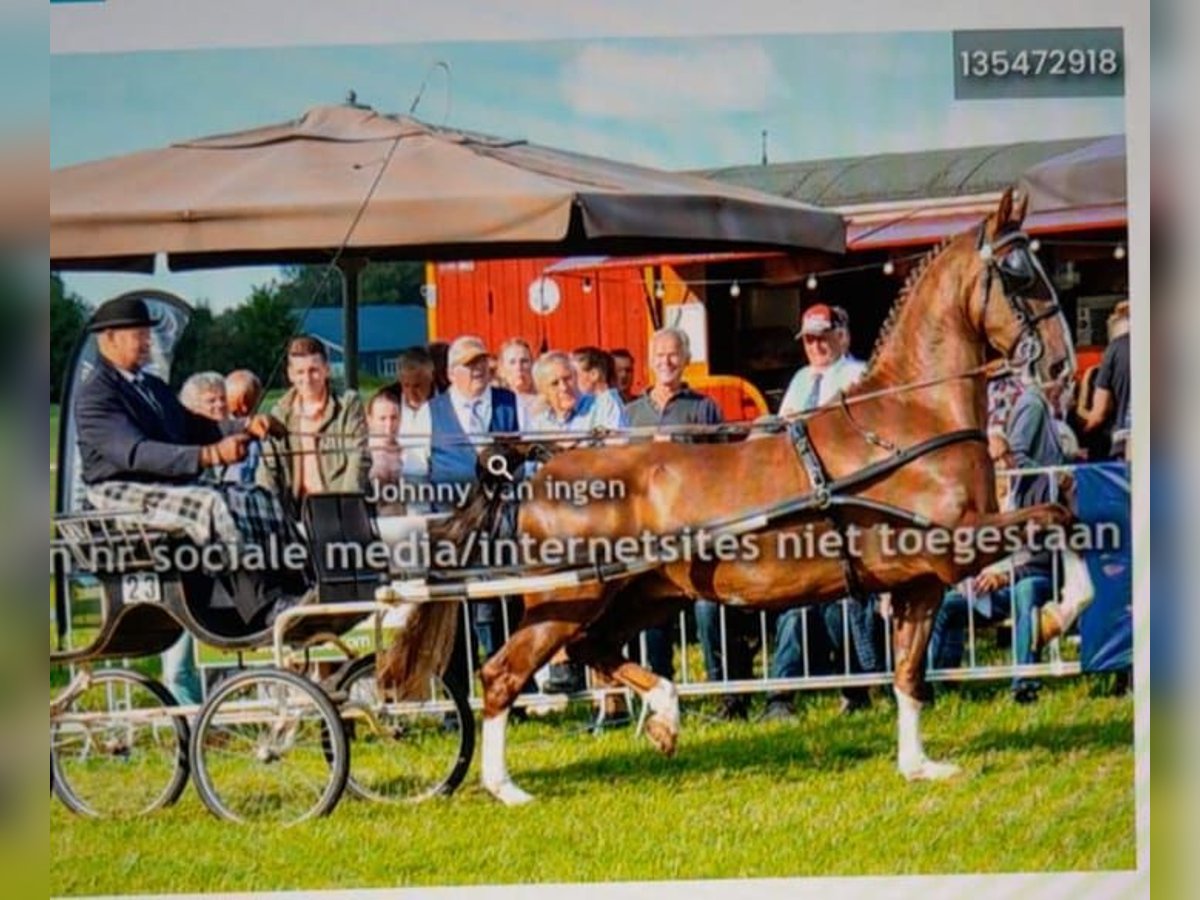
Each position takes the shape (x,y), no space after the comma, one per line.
(591,412)
(415,436)
(837,377)
(483,415)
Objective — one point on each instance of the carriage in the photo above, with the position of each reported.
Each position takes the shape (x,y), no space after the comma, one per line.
(270,742)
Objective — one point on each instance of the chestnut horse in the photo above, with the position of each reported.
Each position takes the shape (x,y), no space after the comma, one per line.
(906,448)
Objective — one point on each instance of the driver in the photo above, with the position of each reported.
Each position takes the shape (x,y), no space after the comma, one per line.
(142,450)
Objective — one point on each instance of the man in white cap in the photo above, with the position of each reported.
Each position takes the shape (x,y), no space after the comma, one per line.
(471,407)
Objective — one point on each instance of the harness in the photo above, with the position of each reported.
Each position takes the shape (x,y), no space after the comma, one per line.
(1020,275)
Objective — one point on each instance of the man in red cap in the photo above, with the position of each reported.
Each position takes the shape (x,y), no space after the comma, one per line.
(826,336)
(825,331)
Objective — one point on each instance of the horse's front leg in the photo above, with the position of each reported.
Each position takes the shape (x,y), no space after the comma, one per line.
(659,694)
(914,607)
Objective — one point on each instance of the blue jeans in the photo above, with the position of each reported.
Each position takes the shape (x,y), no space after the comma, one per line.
(1022,602)
(826,650)
(660,648)
(179,671)
(708,635)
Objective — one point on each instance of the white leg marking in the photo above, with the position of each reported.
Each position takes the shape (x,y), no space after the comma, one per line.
(912,761)
(495,777)
(663,700)
(1078,590)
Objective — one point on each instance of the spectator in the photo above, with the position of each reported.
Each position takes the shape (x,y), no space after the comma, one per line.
(441,375)
(415,377)
(325,449)
(1020,589)
(825,332)
(623,374)
(383,427)
(1110,398)
(515,372)
(204,394)
(470,408)
(243,392)
(565,408)
(671,402)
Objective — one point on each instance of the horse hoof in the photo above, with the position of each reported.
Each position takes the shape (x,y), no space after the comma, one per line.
(928,770)
(508,793)
(662,735)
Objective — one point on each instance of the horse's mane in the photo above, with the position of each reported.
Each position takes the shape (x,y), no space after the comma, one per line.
(906,291)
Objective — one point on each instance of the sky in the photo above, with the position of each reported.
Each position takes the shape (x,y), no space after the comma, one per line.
(674,103)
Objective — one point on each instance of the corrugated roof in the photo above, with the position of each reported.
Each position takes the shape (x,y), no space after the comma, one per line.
(382,328)
(899,176)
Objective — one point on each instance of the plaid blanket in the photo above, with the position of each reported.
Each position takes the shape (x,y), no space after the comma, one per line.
(232,514)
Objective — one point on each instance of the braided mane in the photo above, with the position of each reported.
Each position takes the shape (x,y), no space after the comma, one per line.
(906,291)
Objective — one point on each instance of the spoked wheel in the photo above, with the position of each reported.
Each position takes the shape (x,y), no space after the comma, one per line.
(269,747)
(116,750)
(403,750)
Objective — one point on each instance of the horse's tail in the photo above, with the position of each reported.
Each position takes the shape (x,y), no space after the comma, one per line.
(425,638)
(420,650)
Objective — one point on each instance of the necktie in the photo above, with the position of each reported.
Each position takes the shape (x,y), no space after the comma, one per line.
(478,426)
(814,393)
(139,384)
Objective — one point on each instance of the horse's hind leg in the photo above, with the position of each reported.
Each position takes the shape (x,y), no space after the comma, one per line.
(526,651)
(914,607)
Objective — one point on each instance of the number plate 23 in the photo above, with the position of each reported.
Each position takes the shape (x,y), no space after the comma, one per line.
(141,587)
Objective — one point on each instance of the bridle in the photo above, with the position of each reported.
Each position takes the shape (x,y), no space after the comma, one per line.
(1010,258)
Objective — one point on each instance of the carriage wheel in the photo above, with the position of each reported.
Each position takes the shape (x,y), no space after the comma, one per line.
(116,750)
(268,747)
(403,751)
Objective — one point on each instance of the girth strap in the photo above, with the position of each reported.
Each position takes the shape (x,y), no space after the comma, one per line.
(825,493)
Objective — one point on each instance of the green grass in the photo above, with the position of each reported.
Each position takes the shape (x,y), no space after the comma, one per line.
(1044,788)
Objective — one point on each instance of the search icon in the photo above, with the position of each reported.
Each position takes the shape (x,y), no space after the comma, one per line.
(497,465)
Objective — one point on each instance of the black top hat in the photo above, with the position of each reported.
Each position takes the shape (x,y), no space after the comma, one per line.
(123,312)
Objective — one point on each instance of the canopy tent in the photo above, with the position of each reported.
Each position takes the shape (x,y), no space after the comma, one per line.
(1090,176)
(348,184)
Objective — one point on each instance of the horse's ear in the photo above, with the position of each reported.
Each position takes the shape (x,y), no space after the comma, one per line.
(1022,205)
(1004,211)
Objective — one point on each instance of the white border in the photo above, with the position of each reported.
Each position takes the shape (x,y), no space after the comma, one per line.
(126,25)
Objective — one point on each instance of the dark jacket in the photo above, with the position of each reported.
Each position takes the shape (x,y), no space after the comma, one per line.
(122,437)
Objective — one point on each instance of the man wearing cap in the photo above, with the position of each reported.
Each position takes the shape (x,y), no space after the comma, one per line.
(471,407)
(142,450)
(825,331)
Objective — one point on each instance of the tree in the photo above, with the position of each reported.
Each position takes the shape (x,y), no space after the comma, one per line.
(257,332)
(312,286)
(68,316)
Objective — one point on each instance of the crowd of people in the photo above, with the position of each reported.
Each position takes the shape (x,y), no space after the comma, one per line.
(136,438)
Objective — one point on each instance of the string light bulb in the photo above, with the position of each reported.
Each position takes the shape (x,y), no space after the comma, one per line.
(735,290)
(1119,251)
(811,283)
(587,285)
(889,268)
(1035,245)
(659,290)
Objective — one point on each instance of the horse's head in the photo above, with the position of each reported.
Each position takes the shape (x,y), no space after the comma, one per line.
(1016,302)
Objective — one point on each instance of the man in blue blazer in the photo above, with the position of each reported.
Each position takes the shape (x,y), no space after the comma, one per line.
(471,407)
